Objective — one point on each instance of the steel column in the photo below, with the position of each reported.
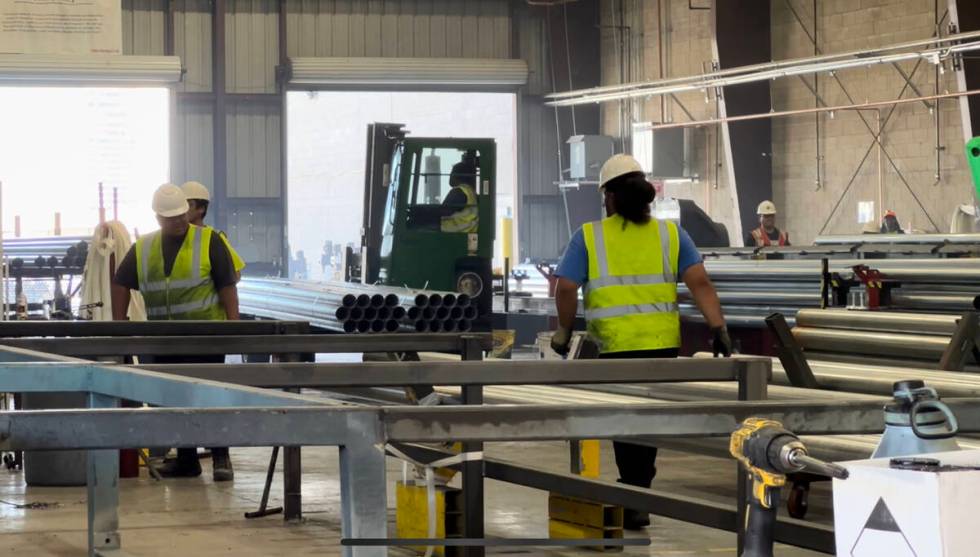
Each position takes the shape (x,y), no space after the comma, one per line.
(103,490)
(753,385)
(363,494)
(473,502)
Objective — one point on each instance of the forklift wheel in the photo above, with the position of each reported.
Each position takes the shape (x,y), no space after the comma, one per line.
(798,502)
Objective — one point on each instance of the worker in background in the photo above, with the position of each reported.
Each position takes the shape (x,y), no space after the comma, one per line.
(183,273)
(461,202)
(199,199)
(629,265)
(890,224)
(767,234)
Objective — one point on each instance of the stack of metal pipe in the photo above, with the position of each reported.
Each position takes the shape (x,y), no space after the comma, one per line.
(912,339)
(357,308)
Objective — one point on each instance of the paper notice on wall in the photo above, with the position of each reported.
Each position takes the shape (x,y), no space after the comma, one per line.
(61,26)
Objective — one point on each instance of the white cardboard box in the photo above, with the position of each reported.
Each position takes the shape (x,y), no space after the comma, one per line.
(880,511)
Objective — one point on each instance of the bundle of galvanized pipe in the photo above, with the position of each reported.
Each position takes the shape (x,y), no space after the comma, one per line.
(751,289)
(356,308)
(910,339)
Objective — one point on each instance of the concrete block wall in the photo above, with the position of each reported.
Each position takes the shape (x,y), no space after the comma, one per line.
(808,205)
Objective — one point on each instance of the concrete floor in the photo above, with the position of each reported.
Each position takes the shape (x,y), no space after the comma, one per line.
(195,517)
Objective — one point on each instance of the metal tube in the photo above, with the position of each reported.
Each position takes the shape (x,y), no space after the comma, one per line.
(428,313)
(363,326)
(392,300)
(442,313)
(456,313)
(363,300)
(463,300)
(934,302)
(449,325)
(414,313)
(377,301)
(449,300)
(342,314)
(435,300)
(384,313)
(767,66)
(370,314)
(464,326)
(434,326)
(913,323)
(470,313)
(377,326)
(923,347)
(391,326)
(398,313)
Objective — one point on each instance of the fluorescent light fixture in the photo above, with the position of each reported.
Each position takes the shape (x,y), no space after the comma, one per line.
(88,69)
(408,72)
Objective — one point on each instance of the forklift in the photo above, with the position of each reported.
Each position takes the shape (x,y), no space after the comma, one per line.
(404,239)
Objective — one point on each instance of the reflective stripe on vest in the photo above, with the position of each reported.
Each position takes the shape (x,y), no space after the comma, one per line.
(188,292)
(465,220)
(631,294)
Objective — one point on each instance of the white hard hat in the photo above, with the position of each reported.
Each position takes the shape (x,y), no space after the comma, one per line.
(616,166)
(766,208)
(169,201)
(195,190)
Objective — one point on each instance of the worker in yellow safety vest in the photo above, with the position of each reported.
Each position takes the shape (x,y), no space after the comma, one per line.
(628,265)
(462,200)
(184,273)
(199,199)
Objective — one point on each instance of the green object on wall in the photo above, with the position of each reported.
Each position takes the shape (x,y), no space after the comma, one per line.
(973,157)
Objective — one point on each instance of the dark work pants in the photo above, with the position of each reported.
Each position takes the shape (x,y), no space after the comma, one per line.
(637,463)
(190,453)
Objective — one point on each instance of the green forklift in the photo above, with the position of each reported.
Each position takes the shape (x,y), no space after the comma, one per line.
(405,240)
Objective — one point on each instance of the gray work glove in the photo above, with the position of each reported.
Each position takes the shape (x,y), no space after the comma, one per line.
(560,340)
(721,343)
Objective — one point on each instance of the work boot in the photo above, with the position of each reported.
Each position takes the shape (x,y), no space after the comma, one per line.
(186,465)
(221,463)
(635,520)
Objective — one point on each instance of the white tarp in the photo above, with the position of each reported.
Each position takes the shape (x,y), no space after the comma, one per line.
(61,26)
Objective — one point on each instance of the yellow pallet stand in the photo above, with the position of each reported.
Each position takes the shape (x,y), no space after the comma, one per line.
(574,518)
(412,516)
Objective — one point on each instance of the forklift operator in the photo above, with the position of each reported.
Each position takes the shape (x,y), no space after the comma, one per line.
(460,211)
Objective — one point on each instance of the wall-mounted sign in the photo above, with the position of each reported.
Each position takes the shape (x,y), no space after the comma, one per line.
(61,26)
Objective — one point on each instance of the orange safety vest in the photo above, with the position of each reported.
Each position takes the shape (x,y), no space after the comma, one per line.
(762,238)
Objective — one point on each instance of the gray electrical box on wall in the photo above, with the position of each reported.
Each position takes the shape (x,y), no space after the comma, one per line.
(664,153)
(587,153)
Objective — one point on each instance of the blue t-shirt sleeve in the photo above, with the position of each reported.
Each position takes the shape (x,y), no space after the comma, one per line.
(688,254)
(574,263)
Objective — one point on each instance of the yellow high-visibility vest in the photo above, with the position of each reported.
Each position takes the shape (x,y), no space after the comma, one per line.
(631,294)
(467,219)
(236,260)
(188,292)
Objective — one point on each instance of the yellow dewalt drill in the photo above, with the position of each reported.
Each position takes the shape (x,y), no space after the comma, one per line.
(769,452)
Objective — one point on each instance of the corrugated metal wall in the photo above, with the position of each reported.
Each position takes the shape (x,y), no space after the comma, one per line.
(393,28)
(399,28)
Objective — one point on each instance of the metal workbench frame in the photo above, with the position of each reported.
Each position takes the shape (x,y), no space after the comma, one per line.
(212,413)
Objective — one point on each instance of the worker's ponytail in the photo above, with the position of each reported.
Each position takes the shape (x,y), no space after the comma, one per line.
(632,196)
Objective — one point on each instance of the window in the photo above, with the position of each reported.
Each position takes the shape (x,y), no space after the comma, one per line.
(441,169)
(59,143)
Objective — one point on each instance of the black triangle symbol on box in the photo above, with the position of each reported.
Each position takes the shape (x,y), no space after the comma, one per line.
(881,518)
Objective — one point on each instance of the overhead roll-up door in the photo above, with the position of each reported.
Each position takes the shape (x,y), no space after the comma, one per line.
(483,74)
(88,69)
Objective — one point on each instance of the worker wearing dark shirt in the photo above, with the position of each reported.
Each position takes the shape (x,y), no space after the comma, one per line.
(176,283)
(222,270)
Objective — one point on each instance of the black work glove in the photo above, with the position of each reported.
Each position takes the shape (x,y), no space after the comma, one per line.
(721,343)
(560,340)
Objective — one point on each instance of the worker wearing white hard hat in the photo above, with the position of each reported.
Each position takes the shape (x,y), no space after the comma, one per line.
(767,234)
(628,265)
(199,199)
(183,273)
